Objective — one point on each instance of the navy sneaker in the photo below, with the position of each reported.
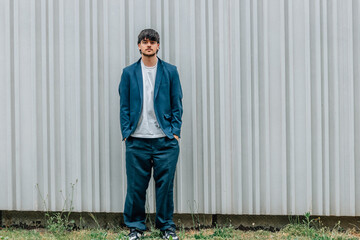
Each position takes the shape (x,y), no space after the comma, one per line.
(134,234)
(169,234)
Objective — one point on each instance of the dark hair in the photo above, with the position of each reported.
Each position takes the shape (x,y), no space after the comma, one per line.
(150,34)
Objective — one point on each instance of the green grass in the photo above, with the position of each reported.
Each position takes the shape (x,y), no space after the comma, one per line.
(59,227)
(292,231)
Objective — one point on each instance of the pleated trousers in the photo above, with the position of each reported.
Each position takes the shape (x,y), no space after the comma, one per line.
(142,155)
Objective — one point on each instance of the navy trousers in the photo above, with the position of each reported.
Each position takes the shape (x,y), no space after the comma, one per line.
(142,154)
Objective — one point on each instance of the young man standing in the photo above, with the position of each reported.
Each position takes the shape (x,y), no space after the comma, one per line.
(150,119)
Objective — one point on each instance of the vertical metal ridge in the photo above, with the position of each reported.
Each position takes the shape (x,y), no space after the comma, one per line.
(318,175)
(9,117)
(88,159)
(194,108)
(106,144)
(308,124)
(8,96)
(159,16)
(62,112)
(51,105)
(283,108)
(350,103)
(325,112)
(266,119)
(44,116)
(131,33)
(16,171)
(78,152)
(147,14)
(34,105)
(291,116)
(95,107)
(222,137)
(227,105)
(256,108)
(236,125)
(6,108)
(356,58)
(204,79)
(213,177)
(249,124)
(166,30)
(336,135)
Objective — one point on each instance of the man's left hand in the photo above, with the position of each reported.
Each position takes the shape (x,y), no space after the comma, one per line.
(176,137)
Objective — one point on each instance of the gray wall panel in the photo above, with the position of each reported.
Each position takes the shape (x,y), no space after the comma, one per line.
(271,100)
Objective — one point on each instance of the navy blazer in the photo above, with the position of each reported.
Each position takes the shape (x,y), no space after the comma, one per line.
(167,98)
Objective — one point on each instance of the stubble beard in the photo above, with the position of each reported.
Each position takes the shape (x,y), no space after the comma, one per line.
(149,55)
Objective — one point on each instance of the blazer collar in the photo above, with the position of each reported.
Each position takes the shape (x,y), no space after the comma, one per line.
(159,74)
(139,78)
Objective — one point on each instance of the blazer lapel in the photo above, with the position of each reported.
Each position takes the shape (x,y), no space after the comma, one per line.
(139,78)
(159,74)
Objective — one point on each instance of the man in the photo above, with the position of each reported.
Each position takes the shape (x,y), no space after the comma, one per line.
(150,119)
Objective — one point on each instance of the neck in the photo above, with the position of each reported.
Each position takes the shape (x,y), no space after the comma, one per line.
(149,61)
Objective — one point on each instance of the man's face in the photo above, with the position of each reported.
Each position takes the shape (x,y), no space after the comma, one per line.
(148,48)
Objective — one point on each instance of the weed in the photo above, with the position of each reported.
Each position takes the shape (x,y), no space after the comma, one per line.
(338,228)
(59,222)
(294,220)
(223,232)
(200,235)
(195,216)
(81,221)
(297,228)
(181,233)
(94,218)
(307,221)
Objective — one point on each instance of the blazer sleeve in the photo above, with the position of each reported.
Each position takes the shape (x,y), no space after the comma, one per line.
(176,103)
(124,92)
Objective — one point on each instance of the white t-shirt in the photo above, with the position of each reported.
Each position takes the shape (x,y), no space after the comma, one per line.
(148,126)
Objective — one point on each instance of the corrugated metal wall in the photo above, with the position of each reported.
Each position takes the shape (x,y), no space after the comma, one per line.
(271,100)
